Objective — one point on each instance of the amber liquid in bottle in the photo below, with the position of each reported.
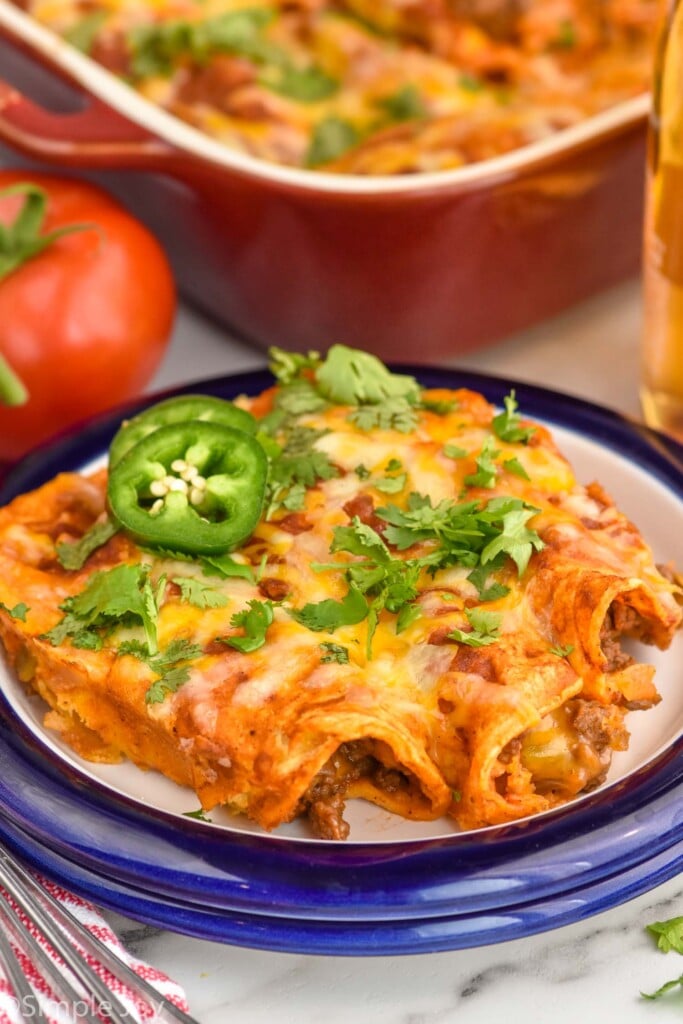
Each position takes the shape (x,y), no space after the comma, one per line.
(662,371)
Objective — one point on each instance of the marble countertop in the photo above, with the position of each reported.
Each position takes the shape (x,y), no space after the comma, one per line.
(597,966)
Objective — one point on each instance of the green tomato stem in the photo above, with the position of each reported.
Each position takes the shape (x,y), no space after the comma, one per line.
(12,388)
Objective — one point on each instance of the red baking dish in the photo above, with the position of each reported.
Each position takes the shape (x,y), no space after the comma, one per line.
(417,268)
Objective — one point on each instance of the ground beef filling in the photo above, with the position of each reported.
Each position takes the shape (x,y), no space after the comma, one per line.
(567,753)
(325,799)
(621,621)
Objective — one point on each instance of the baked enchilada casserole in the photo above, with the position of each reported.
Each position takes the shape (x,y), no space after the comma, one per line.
(346,587)
(370,86)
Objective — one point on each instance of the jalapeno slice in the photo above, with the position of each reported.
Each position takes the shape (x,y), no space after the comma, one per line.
(194,487)
(178,410)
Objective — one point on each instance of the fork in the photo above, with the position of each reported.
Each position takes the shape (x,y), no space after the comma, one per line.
(90,999)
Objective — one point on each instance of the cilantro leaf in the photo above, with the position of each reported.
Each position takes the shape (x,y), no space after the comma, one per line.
(439,406)
(17,612)
(199,815)
(75,554)
(165,663)
(82,33)
(406,104)
(408,614)
(331,138)
(487,470)
(169,682)
(515,538)
(297,466)
(506,425)
(663,989)
(287,366)
(393,414)
(155,47)
(110,598)
(307,85)
(453,451)
(389,582)
(299,397)
(255,620)
(227,567)
(480,576)
(669,934)
(351,377)
(515,467)
(334,653)
(179,649)
(390,484)
(564,652)
(359,539)
(566,35)
(200,594)
(329,614)
(485,628)
(135,648)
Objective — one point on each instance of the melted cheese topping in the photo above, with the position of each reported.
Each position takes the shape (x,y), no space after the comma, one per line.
(370,86)
(416,718)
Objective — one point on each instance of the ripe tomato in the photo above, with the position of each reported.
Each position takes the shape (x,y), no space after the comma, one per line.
(85,322)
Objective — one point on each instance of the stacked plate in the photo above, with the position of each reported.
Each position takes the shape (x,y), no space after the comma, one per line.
(122,837)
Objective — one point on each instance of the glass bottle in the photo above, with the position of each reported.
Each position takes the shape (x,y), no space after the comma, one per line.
(662,369)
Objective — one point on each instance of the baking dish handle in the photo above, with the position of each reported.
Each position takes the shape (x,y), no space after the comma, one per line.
(93,137)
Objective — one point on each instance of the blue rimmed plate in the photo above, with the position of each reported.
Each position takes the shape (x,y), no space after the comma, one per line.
(119,835)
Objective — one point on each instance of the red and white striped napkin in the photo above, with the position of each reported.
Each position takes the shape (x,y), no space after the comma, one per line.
(52,1002)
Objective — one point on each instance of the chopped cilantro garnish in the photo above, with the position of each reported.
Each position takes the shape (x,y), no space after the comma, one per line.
(17,612)
(351,377)
(331,138)
(329,614)
(479,578)
(199,815)
(200,594)
(393,414)
(439,406)
(669,934)
(227,567)
(169,682)
(406,104)
(566,35)
(166,664)
(408,614)
(390,484)
(297,466)
(111,598)
(562,652)
(336,653)
(515,467)
(453,451)
(506,425)
(468,533)
(362,472)
(74,555)
(255,620)
(83,33)
(487,470)
(485,628)
(515,538)
(287,366)
(382,580)
(470,83)
(307,85)
(155,47)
